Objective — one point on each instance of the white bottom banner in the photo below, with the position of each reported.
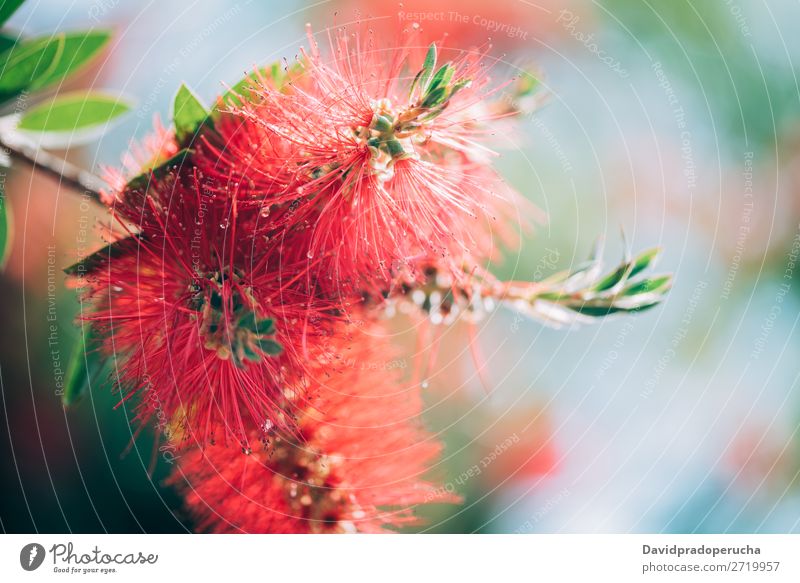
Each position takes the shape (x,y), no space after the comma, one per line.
(381,558)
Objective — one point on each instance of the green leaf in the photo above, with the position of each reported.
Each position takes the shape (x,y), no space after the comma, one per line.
(421,78)
(72,112)
(79,49)
(606,310)
(7,41)
(415,82)
(265,327)
(5,229)
(644,259)
(27,62)
(140,182)
(596,311)
(189,114)
(428,66)
(650,285)
(612,279)
(84,367)
(248,321)
(442,77)
(103,255)
(269,347)
(7,8)
(433,98)
(250,354)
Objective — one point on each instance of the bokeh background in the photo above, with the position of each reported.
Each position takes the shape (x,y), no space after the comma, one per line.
(677,122)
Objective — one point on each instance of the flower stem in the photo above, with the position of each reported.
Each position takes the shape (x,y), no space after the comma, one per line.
(66,173)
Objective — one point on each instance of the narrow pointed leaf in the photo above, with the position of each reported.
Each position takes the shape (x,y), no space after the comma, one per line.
(427,69)
(650,285)
(266,327)
(614,278)
(189,114)
(5,229)
(598,311)
(644,260)
(251,354)
(415,82)
(7,41)
(441,78)
(103,255)
(8,8)
(248,321)
(269,347)
(433,98)
(84,367)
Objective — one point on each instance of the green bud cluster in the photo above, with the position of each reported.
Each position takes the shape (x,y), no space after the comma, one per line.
(231,327)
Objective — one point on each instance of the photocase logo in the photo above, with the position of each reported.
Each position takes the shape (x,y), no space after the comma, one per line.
(31,556)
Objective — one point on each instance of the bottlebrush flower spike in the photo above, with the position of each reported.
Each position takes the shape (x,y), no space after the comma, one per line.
(358,466)
(381,166)
(210,323)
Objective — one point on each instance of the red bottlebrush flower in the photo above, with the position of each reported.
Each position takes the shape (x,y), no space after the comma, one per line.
(356,467)
(376,166)
(213,326)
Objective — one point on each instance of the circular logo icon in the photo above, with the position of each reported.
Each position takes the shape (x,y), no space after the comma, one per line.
(31,556)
